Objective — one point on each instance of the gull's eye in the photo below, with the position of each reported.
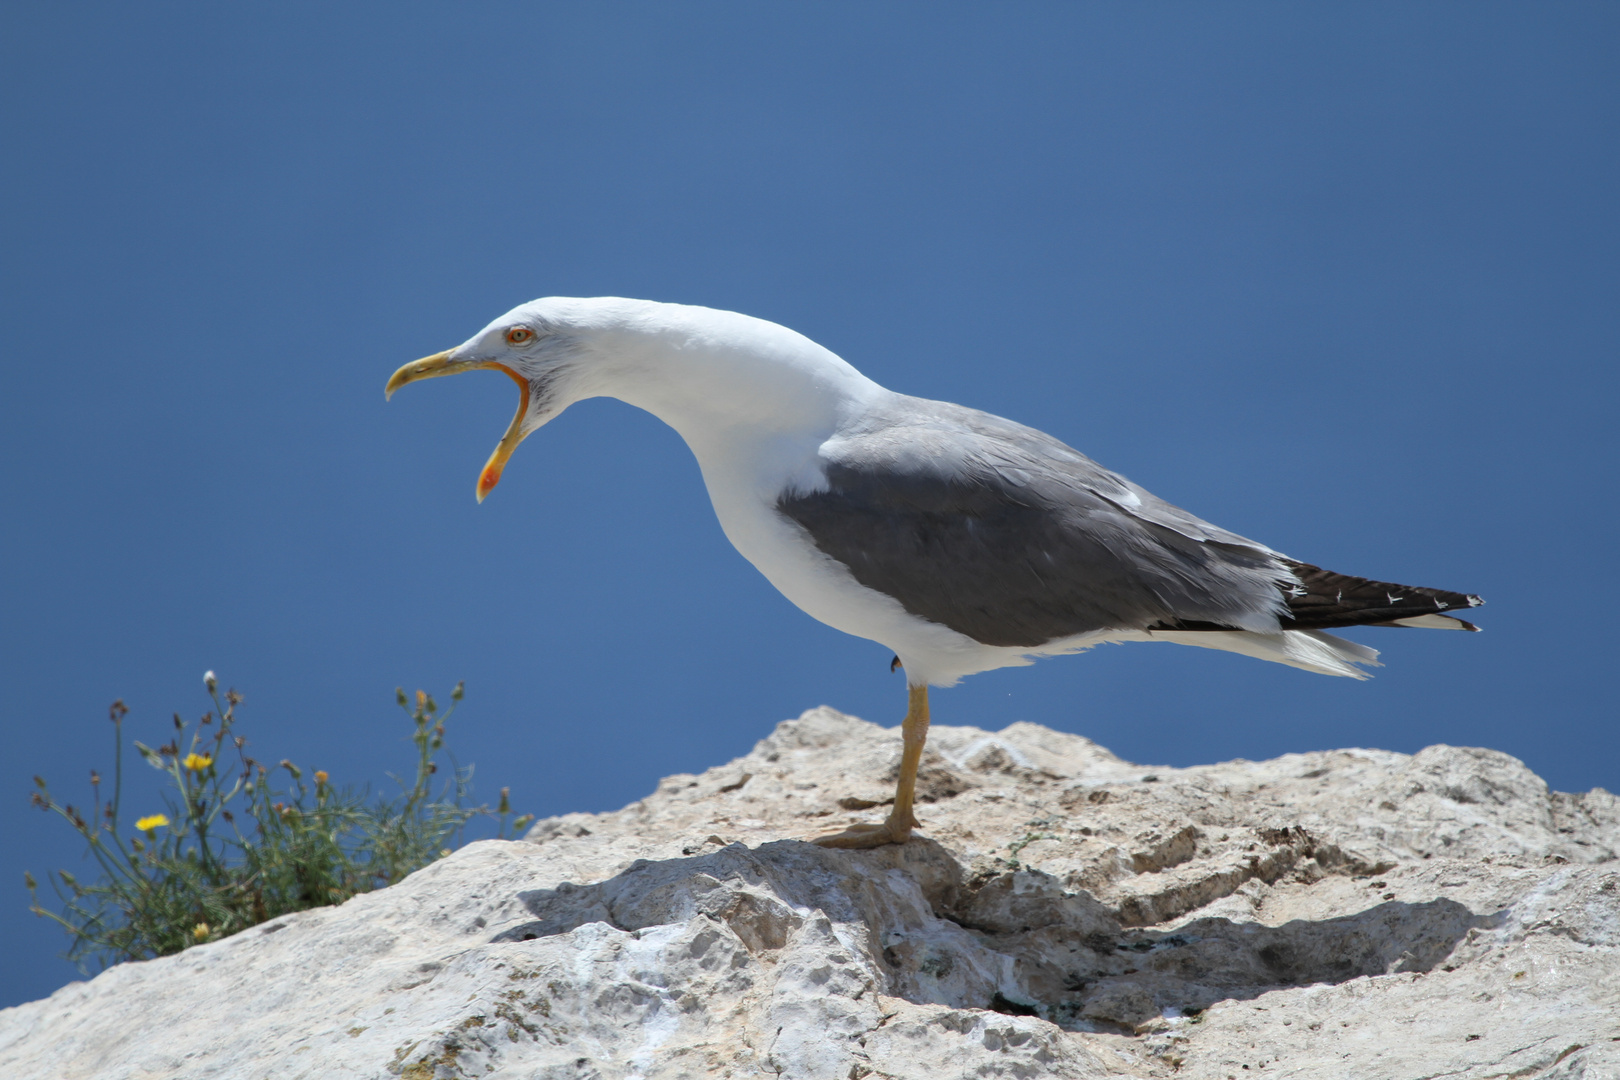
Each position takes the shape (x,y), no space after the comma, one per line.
(519,335)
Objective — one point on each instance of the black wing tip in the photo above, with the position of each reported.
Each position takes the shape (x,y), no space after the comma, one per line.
(1326,600)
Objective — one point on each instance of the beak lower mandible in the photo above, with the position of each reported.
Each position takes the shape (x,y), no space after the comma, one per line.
(514,435)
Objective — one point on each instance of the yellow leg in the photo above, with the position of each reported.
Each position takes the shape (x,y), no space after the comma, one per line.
(897,828)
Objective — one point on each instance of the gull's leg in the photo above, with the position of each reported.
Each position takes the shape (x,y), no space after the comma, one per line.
(913,734)
(897,828)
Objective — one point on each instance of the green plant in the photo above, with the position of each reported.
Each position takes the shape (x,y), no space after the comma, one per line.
(1016,848)
(233,849)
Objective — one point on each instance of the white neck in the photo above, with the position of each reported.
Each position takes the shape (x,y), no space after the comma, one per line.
(739,390)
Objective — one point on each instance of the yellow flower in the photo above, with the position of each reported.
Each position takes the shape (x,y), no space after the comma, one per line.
(152,821)
(200,931)
(197,762)
(320,776)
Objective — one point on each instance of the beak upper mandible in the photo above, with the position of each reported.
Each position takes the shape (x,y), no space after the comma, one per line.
(429,367)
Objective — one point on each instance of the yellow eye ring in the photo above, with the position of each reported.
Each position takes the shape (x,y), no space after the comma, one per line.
(519,335)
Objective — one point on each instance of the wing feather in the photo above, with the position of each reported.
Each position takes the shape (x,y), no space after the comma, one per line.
(1007,535)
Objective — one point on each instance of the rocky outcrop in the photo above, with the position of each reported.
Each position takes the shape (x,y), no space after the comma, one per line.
(1064,913)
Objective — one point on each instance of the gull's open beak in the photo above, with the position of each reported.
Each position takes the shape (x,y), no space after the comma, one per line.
(431,367)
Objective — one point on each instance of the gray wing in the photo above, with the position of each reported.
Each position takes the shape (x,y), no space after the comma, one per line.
(1008,536)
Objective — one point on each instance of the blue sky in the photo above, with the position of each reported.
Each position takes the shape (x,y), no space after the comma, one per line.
(1340,278)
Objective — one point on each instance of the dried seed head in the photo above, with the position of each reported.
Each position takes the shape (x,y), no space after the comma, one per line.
(210,682)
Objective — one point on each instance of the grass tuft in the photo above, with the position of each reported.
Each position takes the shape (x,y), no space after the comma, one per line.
(241,843)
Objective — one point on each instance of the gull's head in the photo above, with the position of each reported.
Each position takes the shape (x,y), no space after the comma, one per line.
(699,370)
(539,346)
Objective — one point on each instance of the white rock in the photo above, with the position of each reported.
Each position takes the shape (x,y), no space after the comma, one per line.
(1341,914)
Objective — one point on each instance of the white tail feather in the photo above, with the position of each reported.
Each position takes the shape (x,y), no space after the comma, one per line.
(1433,622)
(1311,650)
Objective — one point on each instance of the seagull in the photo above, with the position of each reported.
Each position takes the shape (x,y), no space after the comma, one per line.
(960,541)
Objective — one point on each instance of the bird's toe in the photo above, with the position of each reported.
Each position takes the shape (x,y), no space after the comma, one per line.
(865,836)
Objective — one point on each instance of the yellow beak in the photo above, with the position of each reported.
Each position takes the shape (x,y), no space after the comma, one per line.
(431,367)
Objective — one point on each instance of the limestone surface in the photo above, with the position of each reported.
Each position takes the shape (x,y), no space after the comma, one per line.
(1062,913)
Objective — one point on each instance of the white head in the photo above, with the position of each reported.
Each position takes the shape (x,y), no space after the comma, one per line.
(538,345)
(696,368)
